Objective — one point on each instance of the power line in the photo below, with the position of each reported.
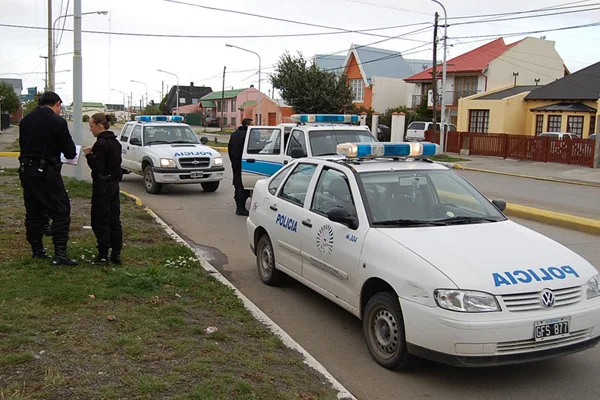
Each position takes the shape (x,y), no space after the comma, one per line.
(558,7)
(527,33)
(388,7)
(524,17)
(362,31)
(64,24)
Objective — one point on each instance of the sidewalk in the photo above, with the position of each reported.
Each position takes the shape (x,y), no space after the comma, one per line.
(551,171)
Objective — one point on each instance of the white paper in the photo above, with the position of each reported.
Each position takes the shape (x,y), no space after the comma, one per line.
(73,161)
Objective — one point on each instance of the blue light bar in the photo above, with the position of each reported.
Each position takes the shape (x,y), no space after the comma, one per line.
(159,118)
(391,150)
(330,118)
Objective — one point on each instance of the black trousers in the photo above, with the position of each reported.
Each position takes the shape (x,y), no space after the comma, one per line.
(240,194)
(106,215)
(45,196)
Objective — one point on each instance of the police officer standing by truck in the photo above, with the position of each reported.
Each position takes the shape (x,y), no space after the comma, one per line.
(104,159)
(43,136)
(235,149)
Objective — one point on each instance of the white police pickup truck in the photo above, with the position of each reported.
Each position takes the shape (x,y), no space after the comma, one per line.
(433,268)
(164,150)
(269,148)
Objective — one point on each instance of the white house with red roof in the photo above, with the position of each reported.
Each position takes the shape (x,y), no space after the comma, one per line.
(530,61)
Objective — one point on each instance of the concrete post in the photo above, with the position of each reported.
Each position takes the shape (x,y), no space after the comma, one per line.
(397,129)
(597,154)
(363,119)
(77,82)
(374,123)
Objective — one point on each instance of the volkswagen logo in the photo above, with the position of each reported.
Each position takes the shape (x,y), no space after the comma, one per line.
(547,298)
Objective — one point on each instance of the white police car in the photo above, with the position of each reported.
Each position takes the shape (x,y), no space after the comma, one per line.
(312,135)
(433,269)
(164,150)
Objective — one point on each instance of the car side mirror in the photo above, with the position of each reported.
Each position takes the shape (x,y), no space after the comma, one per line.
(500,204)
(204,139)
(135,141)
(342,216)
(297,152)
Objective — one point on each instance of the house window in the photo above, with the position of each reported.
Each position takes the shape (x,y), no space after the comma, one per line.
(554,122)
(479,120)
(225,121)
(233,105)
(226,105)
(358,89)
(194,100)
(182,100)
(575,125)
(218,105)
(592,124)
(464,86)
(539,124)
(233,120)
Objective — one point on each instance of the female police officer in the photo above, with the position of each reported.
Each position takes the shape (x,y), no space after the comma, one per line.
(104,159)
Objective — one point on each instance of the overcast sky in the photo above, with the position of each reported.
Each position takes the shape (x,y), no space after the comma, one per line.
(111,62)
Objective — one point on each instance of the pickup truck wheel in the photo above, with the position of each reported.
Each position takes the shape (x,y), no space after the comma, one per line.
(210,187)
(152,186)
(383,327)
(265,262)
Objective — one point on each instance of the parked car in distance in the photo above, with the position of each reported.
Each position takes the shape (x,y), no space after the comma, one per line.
(559,135)
(416,130)
(592,136)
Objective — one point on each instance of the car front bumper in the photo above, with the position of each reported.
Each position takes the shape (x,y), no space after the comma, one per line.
(182,176)
(495,338)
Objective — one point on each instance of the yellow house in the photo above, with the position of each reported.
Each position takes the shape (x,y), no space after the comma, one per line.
(569,104)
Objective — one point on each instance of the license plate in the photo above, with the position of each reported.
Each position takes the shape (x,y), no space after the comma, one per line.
(551,329)
(197,175)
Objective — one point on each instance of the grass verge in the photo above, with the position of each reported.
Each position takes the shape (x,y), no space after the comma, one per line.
(447,158)
(14,146)
(130,332)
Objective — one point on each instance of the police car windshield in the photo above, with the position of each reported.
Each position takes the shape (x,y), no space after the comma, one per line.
(424,198)
(324,143)
(169,134)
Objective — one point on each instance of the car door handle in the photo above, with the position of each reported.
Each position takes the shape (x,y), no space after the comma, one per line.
(251,160)
(127,147)
(307,223)
(273,207)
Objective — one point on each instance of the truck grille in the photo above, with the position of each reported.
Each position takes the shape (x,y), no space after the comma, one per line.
(517,346)
(530,301)
(194,162)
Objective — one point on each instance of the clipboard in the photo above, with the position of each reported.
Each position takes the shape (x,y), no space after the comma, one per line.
(74,161)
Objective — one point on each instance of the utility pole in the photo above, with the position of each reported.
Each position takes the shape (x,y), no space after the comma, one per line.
(515,74)
(434,91)
(77,81)
(46,74)
(162,90)
(537,81)
(50,83)
(223,96)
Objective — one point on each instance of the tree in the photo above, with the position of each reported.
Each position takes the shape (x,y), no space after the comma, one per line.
(31,104)
(163,105)
(310,90)
(11,101)
(152,109)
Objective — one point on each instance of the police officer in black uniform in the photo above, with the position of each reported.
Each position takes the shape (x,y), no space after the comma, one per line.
(236,150)
(43,136)
(104,159)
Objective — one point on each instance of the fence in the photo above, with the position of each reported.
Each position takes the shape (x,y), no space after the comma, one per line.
(519,147)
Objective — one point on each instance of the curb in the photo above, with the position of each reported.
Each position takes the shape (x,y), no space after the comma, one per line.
(220,149)
(581,224)
(343,393)
(487,171)
(9,154)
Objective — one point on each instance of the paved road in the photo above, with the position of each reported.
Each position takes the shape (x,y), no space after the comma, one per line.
(560,197)
(335,338)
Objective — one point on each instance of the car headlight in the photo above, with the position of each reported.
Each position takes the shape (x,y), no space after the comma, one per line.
(465,301)
(218,161)
(167,163)
(592,287)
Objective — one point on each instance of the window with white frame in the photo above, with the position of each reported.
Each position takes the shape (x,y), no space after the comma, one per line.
(358,89)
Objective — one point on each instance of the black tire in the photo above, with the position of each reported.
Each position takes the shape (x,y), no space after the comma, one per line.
(265,263)
(383,327)
(210,187)
(150,183)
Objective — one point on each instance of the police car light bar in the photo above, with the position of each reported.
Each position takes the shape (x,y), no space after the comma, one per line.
(159,118)
(331,118)
(374,150)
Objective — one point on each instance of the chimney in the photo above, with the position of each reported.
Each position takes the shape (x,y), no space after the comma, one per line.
(192,84)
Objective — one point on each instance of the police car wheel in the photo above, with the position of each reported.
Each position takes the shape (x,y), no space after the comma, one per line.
(265,262)
(210,186)
(152,186)
(383,327)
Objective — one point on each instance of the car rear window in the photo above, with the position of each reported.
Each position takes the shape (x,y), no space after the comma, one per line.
(417,125)
(325,143)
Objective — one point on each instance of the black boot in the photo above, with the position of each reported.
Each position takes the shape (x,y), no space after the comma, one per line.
(102,257)
(240,208)
(115,257)
(61,257)
(38,251)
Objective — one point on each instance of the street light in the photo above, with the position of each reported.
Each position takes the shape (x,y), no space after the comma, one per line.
(52,64)
(177,90)
(443,116)
(142,83)
(259,70)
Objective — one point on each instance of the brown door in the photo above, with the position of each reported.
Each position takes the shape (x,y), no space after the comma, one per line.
(272,119)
